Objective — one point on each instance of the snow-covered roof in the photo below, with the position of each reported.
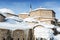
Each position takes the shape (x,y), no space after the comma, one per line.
(14,23)
(14,18)
(14,26)
(6,10)
(40,8)
(24,13)
(43,32)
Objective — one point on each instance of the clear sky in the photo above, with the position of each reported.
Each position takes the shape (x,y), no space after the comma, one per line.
(19,6)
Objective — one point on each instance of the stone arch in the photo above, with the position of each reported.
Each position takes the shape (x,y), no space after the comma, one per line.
(37,26)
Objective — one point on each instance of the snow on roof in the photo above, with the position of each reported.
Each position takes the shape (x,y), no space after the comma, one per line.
(14,23)
(43,32)
(6,10)
(40,8)
(14,18)
(30,19)
(57,37)
(23,13)
(14,26)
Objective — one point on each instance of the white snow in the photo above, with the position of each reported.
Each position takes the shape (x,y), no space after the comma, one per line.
(6,10)
(30,19)
(41,8)
(24,13)
(14,22)
(58,29)
(58,20)
(10,19)
(57,37)
(43,32)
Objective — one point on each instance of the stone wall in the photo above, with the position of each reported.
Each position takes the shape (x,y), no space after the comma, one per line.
(18,35)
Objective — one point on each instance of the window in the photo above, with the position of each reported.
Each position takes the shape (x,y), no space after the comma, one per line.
(23,38)
(3,38)
(18,38)
(11,38)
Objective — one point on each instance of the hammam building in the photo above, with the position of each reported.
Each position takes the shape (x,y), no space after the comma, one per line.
(38,24)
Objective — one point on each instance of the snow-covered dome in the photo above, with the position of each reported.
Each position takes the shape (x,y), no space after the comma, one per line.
(6,10)
(41,8)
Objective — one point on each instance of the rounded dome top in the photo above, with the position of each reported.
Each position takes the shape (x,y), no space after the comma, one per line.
(6,10)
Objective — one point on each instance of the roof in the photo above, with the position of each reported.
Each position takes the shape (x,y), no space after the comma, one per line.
(6,10)
(2,15)
(24,13)
(41,9)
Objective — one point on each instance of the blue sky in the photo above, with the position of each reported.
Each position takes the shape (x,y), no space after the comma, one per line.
(19,6)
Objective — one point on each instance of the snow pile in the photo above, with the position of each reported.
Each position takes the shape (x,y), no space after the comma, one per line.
(43,33)
(58,20)
(57,37)
(58,29)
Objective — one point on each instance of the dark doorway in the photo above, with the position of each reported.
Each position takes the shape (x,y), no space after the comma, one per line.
(18,38)
(3,38)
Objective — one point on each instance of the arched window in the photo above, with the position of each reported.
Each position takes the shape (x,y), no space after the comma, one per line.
(11,38)
(18,38)
(3,38)
(23,38)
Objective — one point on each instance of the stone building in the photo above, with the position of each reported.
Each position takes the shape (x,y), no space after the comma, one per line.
(44,15)
(23,15)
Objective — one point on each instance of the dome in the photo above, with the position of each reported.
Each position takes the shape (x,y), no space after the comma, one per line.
(41,8)
(6,10)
